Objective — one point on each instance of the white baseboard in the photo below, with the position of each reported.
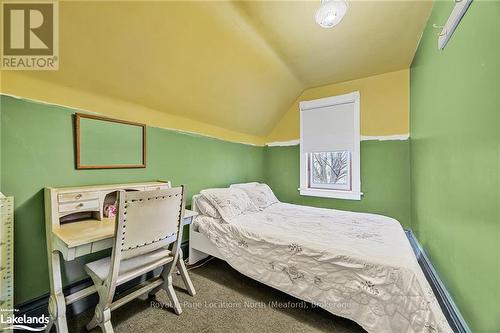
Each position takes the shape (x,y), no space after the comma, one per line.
(450,309)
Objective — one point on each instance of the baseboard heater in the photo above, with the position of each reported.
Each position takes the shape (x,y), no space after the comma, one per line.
(450,310)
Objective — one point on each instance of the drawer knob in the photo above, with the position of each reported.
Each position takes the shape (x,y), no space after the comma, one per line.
(78,196)
(80,205)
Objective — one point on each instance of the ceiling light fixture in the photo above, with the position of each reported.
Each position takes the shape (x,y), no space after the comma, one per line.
(330,13)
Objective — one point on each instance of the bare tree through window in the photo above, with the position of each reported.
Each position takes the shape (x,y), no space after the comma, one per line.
(330,168)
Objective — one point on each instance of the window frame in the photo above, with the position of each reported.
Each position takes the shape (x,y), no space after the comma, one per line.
(305,186)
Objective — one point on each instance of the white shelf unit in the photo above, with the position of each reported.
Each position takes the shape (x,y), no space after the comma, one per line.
(6,258)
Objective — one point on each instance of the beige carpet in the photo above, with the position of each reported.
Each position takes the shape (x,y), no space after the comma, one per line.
(226,301)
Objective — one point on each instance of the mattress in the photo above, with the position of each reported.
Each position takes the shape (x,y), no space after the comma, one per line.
(355,265)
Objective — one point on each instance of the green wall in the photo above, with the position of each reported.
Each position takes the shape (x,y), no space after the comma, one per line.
(123,143)
(38,150)
(385,179)
(455,158)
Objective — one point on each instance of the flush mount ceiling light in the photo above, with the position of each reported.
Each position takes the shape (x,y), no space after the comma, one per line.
(331,12)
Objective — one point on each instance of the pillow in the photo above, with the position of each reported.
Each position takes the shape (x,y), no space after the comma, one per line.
(261,195)
(241,185)
(229,202)
(206,208)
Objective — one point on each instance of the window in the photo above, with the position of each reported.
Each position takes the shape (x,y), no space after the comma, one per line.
(329,147)
(330,170)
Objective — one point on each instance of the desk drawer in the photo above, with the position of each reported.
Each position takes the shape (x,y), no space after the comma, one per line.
(83,250)
(79,206)
(102,245)
(77,196)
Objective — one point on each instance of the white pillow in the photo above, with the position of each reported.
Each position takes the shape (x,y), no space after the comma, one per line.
(261,195)
(241,185)
(229,202)
(206,208)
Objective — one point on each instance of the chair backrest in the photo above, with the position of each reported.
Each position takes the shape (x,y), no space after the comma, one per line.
(148,220)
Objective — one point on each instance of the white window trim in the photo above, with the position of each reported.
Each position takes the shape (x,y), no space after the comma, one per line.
(355,193)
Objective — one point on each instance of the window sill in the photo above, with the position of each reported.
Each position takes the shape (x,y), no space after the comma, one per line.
(314,192)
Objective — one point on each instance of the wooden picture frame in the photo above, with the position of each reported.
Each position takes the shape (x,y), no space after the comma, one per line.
(78,150)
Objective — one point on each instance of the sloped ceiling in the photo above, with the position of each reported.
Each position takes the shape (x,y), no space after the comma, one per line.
(238,65)
(374,37)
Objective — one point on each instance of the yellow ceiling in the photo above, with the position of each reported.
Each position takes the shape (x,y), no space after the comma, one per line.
(374,37)
(234,65)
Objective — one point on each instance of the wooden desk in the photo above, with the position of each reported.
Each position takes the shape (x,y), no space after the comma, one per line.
(76,239)
(90,234)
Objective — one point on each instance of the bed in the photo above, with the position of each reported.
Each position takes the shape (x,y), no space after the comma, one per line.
(355,265)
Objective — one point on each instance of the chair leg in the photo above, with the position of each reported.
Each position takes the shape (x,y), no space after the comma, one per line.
(169,288)
(50,324)
(166,274)
(102,319)
(93,323)
(102,312)
(107,327)
(184,274)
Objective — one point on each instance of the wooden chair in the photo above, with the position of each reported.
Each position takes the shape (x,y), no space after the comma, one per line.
(146,223)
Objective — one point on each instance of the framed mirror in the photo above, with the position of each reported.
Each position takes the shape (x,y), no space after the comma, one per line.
(105,143)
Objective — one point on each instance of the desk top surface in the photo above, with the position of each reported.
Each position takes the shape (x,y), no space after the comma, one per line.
(105,187)
(87,231)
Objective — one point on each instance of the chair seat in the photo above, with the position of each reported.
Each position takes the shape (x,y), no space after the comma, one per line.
(129,268)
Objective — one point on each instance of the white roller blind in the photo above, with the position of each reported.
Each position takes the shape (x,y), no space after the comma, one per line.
(328,128)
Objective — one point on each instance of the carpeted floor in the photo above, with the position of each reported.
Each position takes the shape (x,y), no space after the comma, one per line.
(226,301)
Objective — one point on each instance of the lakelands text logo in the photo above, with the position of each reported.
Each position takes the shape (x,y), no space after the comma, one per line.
(30,35)
(25,323)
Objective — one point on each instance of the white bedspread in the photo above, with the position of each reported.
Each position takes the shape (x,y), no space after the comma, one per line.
(358,266)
